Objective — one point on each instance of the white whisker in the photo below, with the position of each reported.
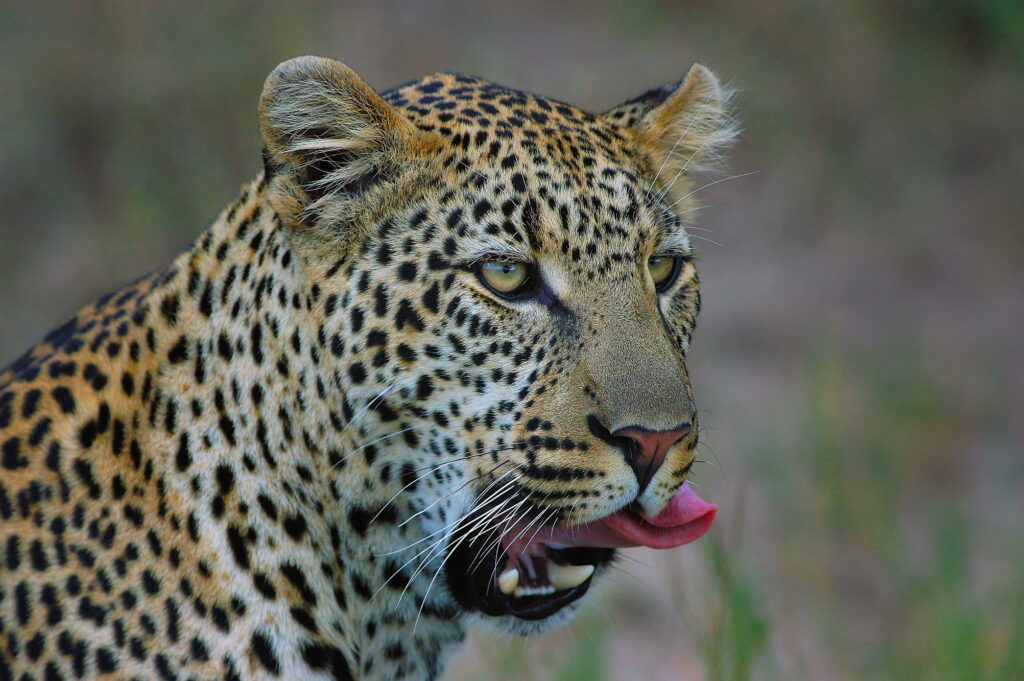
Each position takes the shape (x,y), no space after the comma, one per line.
(369,444)
(711,184)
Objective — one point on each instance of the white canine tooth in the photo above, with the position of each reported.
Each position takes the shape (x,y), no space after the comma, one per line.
(568,576)
(508,581)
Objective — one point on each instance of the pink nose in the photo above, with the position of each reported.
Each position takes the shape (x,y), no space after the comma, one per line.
(648,448)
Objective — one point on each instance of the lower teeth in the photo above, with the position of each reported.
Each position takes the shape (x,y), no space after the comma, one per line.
(562,577)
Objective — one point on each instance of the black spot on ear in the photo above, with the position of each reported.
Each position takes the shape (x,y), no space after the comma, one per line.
(651,98)
(270,167)
(315,178)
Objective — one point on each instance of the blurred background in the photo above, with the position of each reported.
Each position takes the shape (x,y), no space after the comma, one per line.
(859,363)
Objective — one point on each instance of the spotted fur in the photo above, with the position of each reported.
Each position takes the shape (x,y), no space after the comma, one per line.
(213,472)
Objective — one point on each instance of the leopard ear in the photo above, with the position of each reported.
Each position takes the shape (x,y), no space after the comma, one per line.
(684,128)
(329,139)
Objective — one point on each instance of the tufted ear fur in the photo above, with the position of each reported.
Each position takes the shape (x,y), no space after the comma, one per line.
(685,128)
(331,142)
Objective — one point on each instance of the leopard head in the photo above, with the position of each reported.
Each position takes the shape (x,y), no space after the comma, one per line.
(507,295)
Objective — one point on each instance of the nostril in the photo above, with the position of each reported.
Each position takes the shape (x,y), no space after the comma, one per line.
(601,432)
(647,448)
(598,430)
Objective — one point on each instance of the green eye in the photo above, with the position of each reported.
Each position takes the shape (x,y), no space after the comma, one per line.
(662,270)
(504,278)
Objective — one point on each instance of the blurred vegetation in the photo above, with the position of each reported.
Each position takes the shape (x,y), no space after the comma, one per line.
(859,363)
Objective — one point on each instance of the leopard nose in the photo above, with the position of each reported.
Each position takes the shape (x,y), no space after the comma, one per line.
(647,449)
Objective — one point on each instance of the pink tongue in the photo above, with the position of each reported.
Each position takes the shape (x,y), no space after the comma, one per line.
(686,518)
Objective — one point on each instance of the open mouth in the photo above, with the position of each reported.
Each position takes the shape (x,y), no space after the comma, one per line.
(532,571)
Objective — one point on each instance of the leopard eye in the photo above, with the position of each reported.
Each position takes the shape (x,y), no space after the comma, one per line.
(663,271)
(505,278)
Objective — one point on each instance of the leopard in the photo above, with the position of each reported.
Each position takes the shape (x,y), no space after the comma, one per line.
(427,372)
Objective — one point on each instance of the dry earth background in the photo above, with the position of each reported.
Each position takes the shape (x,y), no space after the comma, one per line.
(860,362)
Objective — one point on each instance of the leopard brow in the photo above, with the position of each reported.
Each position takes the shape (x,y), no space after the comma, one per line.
(495,249)
(676,242)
